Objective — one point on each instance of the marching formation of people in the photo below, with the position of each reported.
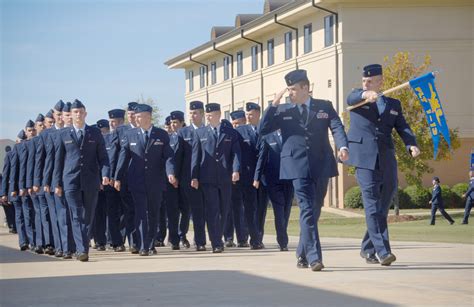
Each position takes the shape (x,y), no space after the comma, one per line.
(135,184)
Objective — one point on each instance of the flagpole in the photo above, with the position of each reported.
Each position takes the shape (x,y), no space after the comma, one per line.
(386,92)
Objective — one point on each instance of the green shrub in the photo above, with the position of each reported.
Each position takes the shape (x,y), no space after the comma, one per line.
(459,189)
(353,198)
(404,201)
(418,196)
(450,199)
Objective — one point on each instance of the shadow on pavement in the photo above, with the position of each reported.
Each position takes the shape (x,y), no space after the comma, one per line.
(10,255)
(196,288)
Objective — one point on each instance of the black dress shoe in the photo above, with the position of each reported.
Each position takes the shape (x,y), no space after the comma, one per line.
(451,223)
(133,250)
(256,246)
(58,254)
(152,252)
(49,250)
(217,250)
(317,266)
(67,255)
(119,248)
(243,244)
(370,259)
(200,248)
(159,244)
(387,259)
(39,250)
(175,247)
(229,243)
(185,243)
(24,247)
(83,257)
(101,248)
(464,223)
(301,263)
(143,253)
(283,249)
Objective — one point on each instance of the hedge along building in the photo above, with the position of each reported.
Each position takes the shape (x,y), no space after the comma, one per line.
(333,40)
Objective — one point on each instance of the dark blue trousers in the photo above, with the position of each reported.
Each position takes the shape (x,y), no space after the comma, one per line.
(147,211)
(127,224)
(262,205)
(281,196)
(38,230)
(194,200)
(53,217)
(9,210)
(64,223)
(445,214)
(467,210)
(184,215)
(100,220)
(248,196)
(162,223)
(113,212)
(29,217)
(45,220)
(236,217)
(170,200)
(82,207)
(310,195)
(217,200)
(20,221)
(378,188)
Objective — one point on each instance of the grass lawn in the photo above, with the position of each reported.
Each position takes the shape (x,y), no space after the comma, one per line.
(332,225)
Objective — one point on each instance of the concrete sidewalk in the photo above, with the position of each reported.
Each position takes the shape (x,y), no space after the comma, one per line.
(425,274)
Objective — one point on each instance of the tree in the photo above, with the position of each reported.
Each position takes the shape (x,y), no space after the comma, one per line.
(156,115)
(397,70)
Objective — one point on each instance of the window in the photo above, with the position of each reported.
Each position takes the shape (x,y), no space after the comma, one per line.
(287,99)
(213,72)
(254,52)
(191,81)
(227,115)
(269,102)
(202,76)
(308,44)
(226,67)
(328,30)
(270,52)
(240,64)
(288,45)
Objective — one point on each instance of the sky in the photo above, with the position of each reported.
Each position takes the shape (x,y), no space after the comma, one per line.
(104,53)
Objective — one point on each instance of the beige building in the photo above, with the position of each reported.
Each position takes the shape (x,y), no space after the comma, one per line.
(333,40)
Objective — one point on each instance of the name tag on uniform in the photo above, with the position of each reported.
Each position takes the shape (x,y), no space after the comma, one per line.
(287,118)
(272,144)
(68,142)
(322,115)
(133,144)
(227,140)
(365,107)
(91,141)
(203,140)
(247,141)
(187,139)
(393,112)
(108,148)
(158,143)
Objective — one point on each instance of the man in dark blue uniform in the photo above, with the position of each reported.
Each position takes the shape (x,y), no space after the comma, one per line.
(306,156)
(7,204)
(373,155)
(469,195)
(80,162)
(244,188)
(147,155)
(437,202)
(215,166)
(27,203)
(192,198)
(236,216)
(279,191)
(163,221)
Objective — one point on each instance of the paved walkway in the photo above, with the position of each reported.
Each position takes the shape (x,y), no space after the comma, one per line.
(425,274)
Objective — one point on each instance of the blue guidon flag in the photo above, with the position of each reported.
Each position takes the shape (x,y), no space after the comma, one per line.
(472,159)
(425,89)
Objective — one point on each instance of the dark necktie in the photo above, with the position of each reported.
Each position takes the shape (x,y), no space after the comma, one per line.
(146,137)
(304,114)
(215,132)
(80,137)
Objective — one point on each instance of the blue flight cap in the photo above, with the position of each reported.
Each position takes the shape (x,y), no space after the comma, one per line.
(30,124)
(237,114)
(50,114)
(196,105)
(131,106)
(142,107)
(168,120)
(77,104)
(177,115)
(102,123)
(296,76)
(211,107)
(436,179)
(21,135)
(372,70)
(8,148)
(59,106)
(116,113)
(67,107)
(40,118)
(249,106)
